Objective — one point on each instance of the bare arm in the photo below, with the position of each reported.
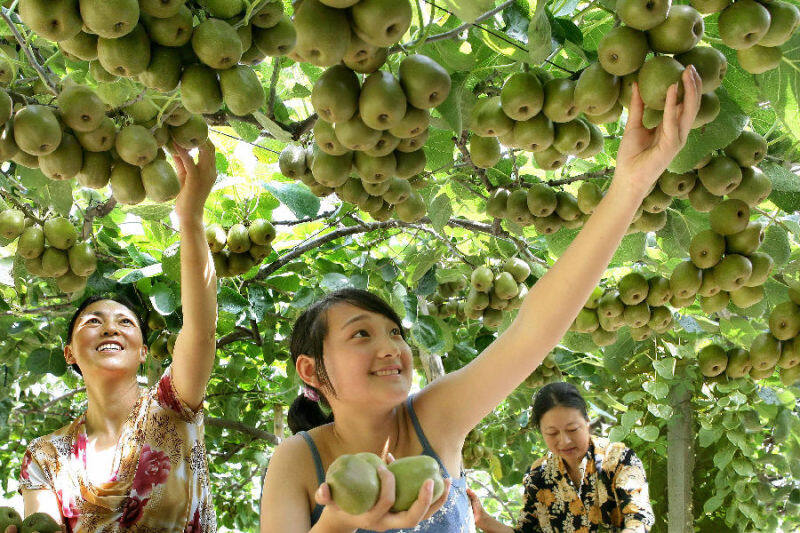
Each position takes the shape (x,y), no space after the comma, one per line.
(193,357)
(552,304)
(42,501)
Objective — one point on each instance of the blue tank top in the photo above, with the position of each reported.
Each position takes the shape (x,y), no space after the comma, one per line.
(455,516)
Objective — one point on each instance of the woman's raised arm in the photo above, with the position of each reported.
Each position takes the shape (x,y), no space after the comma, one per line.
(459,400)
(193,357)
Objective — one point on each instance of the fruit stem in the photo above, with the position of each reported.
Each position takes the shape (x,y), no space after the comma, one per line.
(28,52)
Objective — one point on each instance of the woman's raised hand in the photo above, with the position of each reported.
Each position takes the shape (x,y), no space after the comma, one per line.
(645,153)
(379,518)
(196,179)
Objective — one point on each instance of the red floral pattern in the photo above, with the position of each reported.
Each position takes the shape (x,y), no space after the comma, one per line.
(25,462)
(153,469)
(132,511)
(194,525)
(166,394)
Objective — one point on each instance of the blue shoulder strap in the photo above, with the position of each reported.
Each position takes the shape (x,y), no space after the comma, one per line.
(317,511)
(426,446)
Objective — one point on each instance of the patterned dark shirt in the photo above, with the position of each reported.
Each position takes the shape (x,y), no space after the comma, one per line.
(613,493)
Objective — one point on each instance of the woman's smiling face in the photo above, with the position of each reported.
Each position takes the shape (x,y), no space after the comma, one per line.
(566,432)
(106,336)
(366,357)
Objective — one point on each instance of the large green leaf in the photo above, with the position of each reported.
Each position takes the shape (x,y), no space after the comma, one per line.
(785,186)
(296,196)
(781,86)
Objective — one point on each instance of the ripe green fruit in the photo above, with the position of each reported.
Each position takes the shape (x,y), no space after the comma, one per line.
(743,24)
(398,192)
(589,196)
(161,8)
(81,108)
(710,64)
(488,118)
(586,321)
(535,134)
(374,169)
(355,135)
(126,183)
(412,209)
(637,315)
(567,206)
(261,232)
(657,201)
(655,78)
(414,123)
(610,305)
(721,175)
(596,141)
(36,130)
(279,40)
(9,517)
(82,259)
(482,279)
(754,188)
(709,110)
(268,14)
(660,319)
(41,522)
(748,149)
(409,164)
(292,161)
(709,287)
(518,268)
(559,100)
(217,44)
(410,474)
(685,280)
(739,364)
(382,103)
(55,262)
(790,354)
(784,19)
(733,272)
(354,482)
(381,22)
(541,200)
(715,303)
(622,50)
(505,286)
(608,117)
(30,243)
(12,223)
(613,323)
(706,248)
(677,185)
(596,91)
(55,20)
(65,162)
(730,217)
(762,265)
(496,204)
(191,134)
(765,351)
(216,236)
(680,32)
(710,6)
(492,318)
(99,140)
(784,321)
(173,31)
(790,377)
(425,82)
(484,152)
(633,288)
(746,241)
(522,96)
(745,297)
(200,90)
(414,143)
(701,199)
(241,90)
(659,292)
(571,137)
(549,159)
(125,56)
(712,360)
(238,239)
(602,337)
(160,181)
(136,145)
(60,232)
(110,19)
(643,14)
(477,301)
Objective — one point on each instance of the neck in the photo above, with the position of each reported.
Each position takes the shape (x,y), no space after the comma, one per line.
(357,430)
(110,404)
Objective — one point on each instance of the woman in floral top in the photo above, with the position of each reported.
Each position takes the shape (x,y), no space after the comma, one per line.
(583,483)
(135,460)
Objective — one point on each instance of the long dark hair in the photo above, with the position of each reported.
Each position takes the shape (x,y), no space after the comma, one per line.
(557,394)
(308,336)
(120,299)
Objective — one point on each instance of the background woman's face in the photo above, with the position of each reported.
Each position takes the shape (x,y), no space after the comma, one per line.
(565,432)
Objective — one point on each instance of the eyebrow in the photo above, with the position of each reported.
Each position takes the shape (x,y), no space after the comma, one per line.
(354,319)
(103,314)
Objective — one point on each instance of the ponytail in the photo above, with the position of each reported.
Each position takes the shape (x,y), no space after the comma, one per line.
(305,414)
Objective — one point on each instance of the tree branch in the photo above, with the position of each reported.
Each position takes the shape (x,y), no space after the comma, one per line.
(324,214)
(273,85)
(21,206)
(480,227)
(52,308)
(461,143)
(63,397)
(28,52)
(242,428)
(240,333)
(97,210)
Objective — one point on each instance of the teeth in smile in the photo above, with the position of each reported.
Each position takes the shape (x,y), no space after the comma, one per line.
(109,347)
(387,372)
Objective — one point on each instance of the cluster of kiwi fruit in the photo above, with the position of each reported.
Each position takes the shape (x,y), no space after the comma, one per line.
(163,44)
(241,247)
(540,205)
(636,301)
(41,522)
(355,484)
(163,341)
(50,250)
(766,354)
(355,32)
(537,113)
(473,450)
(756,30)
(545,373)
(491,292)
(77,139)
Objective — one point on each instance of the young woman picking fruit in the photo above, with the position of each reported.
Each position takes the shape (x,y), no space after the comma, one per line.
(357,360)
(136,457)
(583,483)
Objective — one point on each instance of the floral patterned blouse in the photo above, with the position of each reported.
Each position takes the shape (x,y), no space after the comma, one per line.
(160,482)
(613,493)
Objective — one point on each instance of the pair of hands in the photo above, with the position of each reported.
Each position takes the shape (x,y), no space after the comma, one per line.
(196,180)
(379,518)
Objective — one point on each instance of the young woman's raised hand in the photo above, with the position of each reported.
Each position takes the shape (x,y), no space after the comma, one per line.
(196,179)
(379,518)
(645,153)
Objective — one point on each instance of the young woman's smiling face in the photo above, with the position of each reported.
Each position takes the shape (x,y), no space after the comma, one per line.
(106,336)
(366,357)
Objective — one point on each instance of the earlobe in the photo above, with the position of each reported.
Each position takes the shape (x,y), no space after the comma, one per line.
(68,355)
(306,369)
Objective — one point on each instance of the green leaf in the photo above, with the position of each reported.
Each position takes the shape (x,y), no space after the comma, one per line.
(629,419)
(656,389)
(781,86)
(713,503)
(723,457)
(421,263)
(619,353)
(230,301)
(153,212)
(44,361)
(163,299)
(540,43)
(631,249)
(296,196)
(776,244)
(713,136)
(60,196)
(648,433)
(439,149)
(560,240)
(665,367)
(675,235)
(427,334)
(452,109)
(743,467)
(660,410)
(785,186)
(708,436)
(440,212)
(334,280)
(468,10)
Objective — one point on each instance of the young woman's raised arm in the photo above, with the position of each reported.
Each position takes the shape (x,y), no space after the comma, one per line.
(193,357)
(459,400)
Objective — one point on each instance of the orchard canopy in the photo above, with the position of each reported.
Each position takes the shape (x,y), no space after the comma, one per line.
(442,153)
